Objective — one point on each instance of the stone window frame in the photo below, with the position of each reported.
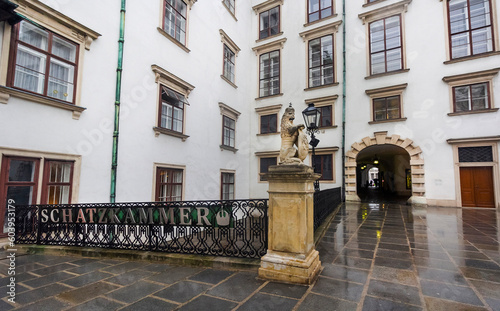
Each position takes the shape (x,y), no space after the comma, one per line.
(158,165)
(269,110)
(266,48)
(226,171)
(265,6)
(326,151)
(265,154)
(322,102)
(395,90)
(308,35)
(226,40)
(43,158)
(60,25)
(496,41)
(488,141)
(189,4)
(233,114)
(169,80)
(398,8)
(485,76)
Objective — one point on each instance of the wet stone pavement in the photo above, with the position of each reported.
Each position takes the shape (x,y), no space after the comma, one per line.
(374,257)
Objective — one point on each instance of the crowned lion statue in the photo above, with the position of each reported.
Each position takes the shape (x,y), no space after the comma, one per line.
(291,136)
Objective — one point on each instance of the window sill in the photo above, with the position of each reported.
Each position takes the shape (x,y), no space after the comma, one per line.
(320,20)
(321,86)
(270,96)
(378,75)
(388,121)
(6,92)
(270,37)
(228,148)
(268,134)
(160,130)
(466,58)
(463,113)
(229,81)
(372,3)
(169,37)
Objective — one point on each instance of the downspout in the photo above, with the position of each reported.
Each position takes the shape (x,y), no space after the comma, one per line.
(344,74)
(114,158)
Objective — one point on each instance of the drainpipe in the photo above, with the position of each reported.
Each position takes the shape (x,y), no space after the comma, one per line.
(114,158)
(344,74)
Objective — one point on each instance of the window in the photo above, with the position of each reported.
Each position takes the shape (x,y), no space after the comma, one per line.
(269,124)
(168,184)
(386,103)
(269,23)
(229,5)
(20,181)
(319,9)
(57,183)
(386,108)
(321,61)
(470,27)
(323,164)
(228,129)
(44,63)
(174,22)
(228,71)
(268,119)
(264,164)
(227,186)
(269,83)
(386,38)
(326,116)
(321,55)
(230,51)
(471,92)
(326,106)
(386,52)
(471,97)
(44,57)
(229,117)
(172,103)
(172,110)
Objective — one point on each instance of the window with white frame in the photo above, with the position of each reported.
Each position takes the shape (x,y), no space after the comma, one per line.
(229,5)
(229,117)
(230,51)
(387,103)
(228,71)
(321,61)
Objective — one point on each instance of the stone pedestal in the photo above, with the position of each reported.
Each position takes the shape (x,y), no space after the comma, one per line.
(291,256)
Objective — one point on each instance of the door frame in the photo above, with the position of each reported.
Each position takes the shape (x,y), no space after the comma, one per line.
(476,142)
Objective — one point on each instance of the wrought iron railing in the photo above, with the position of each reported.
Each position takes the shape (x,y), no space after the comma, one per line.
(236,228)
(325,202)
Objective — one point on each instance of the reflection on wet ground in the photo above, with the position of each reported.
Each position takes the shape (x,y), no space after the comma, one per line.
(398,257)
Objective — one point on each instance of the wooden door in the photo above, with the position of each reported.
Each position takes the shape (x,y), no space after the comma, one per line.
(477,186)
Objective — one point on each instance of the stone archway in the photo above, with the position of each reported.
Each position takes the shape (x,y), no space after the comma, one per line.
(381,138)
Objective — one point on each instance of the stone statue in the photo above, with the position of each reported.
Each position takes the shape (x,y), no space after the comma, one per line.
(292,135)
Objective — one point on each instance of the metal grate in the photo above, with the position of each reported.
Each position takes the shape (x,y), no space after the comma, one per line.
(325,203)
(236,228)
(475,154)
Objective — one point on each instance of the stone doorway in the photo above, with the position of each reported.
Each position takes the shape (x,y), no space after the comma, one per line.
(400,164)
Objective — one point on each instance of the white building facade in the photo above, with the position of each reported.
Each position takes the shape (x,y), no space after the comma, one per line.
(204,83)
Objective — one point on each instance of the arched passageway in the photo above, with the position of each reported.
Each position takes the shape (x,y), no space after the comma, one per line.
(400,165)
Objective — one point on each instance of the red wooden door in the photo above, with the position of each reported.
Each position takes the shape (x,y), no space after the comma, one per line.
(477,186)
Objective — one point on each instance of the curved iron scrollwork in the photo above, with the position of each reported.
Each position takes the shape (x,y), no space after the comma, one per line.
(236,228)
